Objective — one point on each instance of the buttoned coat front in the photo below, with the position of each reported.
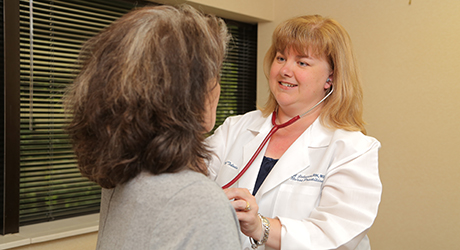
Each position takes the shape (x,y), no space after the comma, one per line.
(325,189)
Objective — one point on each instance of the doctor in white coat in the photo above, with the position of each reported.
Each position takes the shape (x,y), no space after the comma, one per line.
(315,183)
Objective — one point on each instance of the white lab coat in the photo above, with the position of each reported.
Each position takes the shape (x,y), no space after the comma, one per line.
(325,189)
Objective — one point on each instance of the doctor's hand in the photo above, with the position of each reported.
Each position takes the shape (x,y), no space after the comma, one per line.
(246,209)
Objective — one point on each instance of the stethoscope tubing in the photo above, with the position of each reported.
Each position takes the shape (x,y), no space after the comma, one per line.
(261,146)
(272,131)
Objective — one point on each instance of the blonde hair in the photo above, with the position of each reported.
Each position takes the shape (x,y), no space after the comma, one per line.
(324,37)
(139,100)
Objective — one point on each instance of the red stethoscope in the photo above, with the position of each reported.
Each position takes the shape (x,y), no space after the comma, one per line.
(272,131)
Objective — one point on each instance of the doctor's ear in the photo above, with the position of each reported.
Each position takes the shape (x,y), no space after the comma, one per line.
(328,83)
(329,80)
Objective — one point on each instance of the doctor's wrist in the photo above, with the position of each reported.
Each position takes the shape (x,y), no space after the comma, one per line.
(265,232)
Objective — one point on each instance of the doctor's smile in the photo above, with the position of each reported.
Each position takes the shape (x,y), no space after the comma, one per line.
(288,85)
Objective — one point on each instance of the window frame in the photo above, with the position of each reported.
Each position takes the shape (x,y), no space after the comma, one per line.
(10,86)
(11,169)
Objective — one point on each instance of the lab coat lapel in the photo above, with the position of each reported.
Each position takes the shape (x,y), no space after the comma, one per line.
(294,160)
(260,131)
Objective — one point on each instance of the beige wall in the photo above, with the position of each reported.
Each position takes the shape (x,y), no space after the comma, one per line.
(410,59)
(410,63)
(252,11)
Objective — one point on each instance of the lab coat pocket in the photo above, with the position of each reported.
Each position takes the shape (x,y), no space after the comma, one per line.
(297,200)
(227,172)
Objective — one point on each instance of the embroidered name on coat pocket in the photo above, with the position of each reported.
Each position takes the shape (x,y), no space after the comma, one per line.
(230,164)
(304,178)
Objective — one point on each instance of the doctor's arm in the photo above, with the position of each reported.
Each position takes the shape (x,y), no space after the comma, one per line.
(349,201)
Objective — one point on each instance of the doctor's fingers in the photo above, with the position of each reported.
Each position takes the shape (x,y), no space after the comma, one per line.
(238,194)
(242,200)
(244,206)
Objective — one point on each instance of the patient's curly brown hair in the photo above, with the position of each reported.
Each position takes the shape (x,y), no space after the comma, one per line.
(138,103)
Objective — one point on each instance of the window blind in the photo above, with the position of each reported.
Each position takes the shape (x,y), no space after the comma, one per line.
(51,35)
(238,76)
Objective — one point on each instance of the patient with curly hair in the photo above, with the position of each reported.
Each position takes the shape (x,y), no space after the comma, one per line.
(145,96)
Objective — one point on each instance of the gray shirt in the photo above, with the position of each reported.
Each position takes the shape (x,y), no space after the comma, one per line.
(183,210)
